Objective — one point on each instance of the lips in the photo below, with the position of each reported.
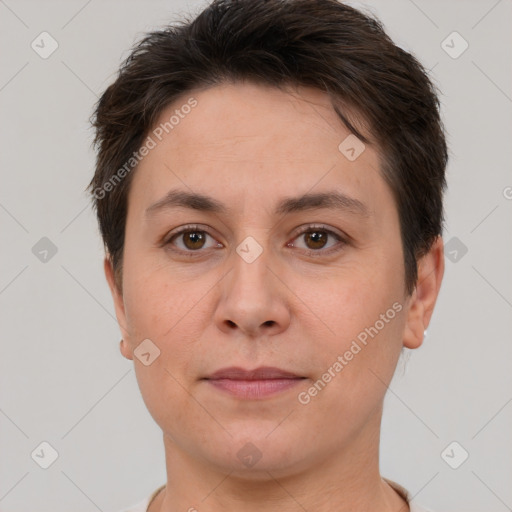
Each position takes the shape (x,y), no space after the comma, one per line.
(257,384)
(262,373)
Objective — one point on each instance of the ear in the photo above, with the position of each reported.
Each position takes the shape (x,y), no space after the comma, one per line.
(423,299)
(117,296)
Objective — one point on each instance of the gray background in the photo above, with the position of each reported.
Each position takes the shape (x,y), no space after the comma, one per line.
(62,377)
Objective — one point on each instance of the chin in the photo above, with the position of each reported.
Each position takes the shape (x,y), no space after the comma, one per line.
(255,456)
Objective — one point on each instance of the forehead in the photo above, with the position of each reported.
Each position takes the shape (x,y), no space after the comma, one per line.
(243,138)
(241,116)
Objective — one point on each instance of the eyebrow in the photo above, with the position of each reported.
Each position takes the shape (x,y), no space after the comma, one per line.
(311,201)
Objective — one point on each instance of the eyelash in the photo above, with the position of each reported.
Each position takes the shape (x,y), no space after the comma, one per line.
(309,229)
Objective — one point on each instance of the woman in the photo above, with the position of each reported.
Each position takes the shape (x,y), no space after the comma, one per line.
(269,188)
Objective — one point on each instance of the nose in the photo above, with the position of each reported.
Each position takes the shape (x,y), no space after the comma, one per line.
(253,299)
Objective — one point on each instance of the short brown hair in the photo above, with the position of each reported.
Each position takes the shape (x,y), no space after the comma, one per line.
(323,44)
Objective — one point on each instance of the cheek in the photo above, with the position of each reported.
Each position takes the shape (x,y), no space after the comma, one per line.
(355,366)
(359,314)
(347,299)
(153,302)
(162,313)
(173,313)
(168,400)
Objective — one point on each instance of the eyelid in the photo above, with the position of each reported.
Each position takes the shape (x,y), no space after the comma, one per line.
(305,228)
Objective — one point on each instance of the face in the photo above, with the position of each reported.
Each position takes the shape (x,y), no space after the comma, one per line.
(261,276)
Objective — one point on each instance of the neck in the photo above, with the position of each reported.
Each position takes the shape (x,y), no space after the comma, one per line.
(347,481)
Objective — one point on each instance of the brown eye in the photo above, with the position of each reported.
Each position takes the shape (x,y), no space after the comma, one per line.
(315,239)
(193,239)
(190,240)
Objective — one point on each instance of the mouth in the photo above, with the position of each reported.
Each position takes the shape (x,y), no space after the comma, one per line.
(254,384)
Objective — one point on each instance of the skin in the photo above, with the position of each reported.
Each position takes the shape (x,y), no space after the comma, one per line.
(249,146)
